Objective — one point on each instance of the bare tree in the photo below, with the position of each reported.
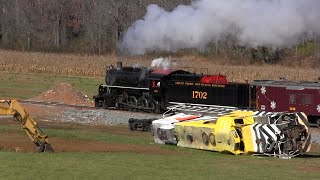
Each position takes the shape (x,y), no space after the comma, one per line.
(6,21)
(94,26)
(95,21)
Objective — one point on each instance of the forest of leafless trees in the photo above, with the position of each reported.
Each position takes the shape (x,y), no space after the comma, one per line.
(93,26)
(70,25)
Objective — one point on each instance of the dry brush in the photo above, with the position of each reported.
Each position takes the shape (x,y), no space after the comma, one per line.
(94,66)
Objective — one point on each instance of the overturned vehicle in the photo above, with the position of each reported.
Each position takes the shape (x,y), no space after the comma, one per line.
(283,135)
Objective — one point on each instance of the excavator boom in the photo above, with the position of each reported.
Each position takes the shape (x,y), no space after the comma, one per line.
(40,139)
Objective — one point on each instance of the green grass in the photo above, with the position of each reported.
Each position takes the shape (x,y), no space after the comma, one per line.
(145,166)
(88,135)
(24,86)
(195,164)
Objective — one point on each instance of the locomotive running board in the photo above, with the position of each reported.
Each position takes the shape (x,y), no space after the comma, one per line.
(202,109)
(124,87)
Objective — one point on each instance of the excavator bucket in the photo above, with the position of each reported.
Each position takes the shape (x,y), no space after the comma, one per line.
(44,147)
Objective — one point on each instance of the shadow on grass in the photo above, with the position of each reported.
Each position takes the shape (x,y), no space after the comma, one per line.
(309,156)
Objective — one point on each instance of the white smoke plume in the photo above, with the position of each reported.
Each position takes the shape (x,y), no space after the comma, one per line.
(270,23)
(162,63)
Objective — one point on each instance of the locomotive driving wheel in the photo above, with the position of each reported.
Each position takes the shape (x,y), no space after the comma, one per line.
(118,102)
(153,106)
(143,103)
(132,102)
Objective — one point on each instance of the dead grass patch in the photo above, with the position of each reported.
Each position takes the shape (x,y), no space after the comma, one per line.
(306,69)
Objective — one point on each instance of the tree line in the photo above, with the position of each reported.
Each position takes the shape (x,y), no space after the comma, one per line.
(96,26)
(70,25)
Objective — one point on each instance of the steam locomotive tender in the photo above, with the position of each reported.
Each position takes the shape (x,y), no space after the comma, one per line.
(143,89)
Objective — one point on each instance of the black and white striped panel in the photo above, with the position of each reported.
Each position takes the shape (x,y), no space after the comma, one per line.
(278,117)
(303,117)
(267,137)
(265,113)
(200,108)
(267,117)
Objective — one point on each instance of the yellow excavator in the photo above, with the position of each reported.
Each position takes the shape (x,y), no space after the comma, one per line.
(40,139)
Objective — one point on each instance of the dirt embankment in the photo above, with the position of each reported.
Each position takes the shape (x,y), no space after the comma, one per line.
(64,93)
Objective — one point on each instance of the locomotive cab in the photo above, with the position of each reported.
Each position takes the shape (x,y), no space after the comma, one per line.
(157,86)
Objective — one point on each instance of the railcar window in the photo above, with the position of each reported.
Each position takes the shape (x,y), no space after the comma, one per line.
(238,121)
(306,99)
(292,99)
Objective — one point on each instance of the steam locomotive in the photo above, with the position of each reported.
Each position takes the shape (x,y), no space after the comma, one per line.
(144,89)
(140,88)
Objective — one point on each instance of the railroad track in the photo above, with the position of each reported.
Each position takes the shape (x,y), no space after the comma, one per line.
(46,103)
(55,104)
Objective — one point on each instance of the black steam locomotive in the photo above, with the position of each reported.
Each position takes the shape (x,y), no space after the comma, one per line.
(143,89)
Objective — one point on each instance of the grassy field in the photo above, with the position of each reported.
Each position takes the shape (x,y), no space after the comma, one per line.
(190,164)
(140,166)
(25,75)
(24,86)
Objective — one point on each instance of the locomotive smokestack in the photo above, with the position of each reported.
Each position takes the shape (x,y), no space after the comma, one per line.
(119,66)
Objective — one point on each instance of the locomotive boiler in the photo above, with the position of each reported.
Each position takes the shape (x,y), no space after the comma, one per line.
(125,88)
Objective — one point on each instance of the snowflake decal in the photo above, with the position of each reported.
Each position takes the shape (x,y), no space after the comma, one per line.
(273,105)
(263,90)
(318,108)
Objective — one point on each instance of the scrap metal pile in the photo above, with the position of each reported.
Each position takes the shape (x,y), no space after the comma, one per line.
(283,135)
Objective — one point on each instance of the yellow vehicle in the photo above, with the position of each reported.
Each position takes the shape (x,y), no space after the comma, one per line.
(245,132)
(12,107)
(220,135)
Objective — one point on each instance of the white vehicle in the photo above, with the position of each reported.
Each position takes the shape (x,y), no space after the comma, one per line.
(163,129)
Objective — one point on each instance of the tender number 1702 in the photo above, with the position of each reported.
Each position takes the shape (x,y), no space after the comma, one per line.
(199,95)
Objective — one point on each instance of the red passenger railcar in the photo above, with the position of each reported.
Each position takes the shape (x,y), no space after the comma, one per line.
(287,96)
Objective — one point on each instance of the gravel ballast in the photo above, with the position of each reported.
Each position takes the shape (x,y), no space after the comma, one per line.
(103,116)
